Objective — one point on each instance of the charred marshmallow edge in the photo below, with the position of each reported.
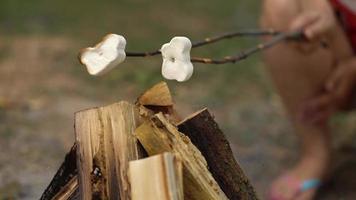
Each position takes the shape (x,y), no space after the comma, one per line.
(106,55)
(176,59)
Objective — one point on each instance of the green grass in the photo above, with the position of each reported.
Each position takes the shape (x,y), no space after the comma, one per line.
(146,25)
(135,18)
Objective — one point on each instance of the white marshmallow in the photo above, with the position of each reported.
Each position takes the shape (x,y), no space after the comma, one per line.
(176,59)
(106,55)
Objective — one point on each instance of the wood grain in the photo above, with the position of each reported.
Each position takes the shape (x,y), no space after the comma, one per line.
(158,135)
(158,99)
(158,95)
(105,147)
(156,178)
(64,181)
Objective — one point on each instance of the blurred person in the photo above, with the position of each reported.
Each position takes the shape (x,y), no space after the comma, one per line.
(313,82)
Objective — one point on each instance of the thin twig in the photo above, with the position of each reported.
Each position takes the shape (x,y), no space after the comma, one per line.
(244,54)
(210,40)
(279,37)
(143,54)
(248,33)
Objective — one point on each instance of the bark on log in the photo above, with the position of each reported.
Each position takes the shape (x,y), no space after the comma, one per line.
(69,191)
(158,135)
(205,134)
(156,178)
(105,147)
(65,177)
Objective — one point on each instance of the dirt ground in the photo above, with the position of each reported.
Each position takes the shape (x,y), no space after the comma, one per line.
(40,91)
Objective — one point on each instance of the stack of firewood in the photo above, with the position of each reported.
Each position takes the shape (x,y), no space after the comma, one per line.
(146,152)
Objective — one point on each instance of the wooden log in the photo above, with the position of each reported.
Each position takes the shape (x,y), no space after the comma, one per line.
(64,181)
(158,135)
(156,178)
(69,191)
(158,99)
(158,95)
(105,147)
(205,134)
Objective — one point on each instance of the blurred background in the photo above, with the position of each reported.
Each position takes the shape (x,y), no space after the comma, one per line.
(42,83)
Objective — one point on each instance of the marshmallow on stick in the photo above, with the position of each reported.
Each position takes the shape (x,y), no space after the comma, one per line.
(106,55)
(176,59)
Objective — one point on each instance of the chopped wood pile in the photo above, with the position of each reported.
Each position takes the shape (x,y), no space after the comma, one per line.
(144,151)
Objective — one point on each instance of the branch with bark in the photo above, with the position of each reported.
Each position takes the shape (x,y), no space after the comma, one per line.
(277,38)
(177,60)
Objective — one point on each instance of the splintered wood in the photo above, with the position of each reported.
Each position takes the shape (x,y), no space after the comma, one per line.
(105,146)
(69,191)
(156,178)
(64,185)
(158,99)
(158,95)
(189,160)
(157,135)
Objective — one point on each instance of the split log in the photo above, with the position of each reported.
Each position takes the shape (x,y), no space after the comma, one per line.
(205,134)
(105,147)
(158,99)
(105,144)
(64,184)
(156,178)
(69,191)
(157,136)
(158,95)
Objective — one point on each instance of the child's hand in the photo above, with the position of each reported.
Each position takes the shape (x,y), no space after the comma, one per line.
(316,19)
(337,95)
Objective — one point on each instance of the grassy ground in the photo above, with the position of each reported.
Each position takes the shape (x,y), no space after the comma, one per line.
(42,84)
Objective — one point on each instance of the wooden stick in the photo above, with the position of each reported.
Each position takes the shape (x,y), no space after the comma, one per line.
(105,147)
(157,136)
(246,53)
(156,178)
(278,38)
(247,33)
(210,40)
(205,134)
